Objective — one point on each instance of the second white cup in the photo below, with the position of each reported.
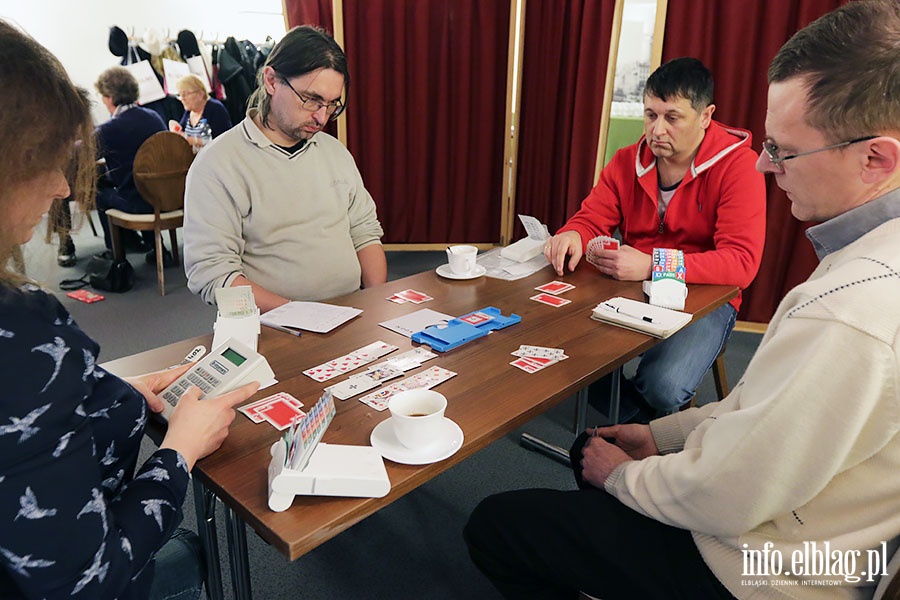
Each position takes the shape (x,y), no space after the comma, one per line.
(417,416)
(462,259)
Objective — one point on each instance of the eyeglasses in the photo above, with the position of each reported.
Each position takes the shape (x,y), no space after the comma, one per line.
(772,150)
(332,109)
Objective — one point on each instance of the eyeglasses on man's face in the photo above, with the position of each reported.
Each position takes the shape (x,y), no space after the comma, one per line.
(332,109)
(774,152)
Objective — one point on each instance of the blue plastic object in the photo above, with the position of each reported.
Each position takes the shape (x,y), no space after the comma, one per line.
(464,329)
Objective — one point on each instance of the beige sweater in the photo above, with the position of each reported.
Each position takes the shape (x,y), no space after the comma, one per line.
(291,223)
(806,447)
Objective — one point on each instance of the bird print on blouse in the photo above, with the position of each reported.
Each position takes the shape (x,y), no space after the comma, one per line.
(62,444)
(25,425)
(20,564)
(57,351)
(96,505)
(30,509)
(97,570)
(153,508)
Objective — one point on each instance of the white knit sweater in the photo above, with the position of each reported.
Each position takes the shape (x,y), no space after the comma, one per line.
(806,447)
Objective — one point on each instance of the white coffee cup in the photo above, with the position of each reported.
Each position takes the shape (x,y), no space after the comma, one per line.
(418,417)
(462,259)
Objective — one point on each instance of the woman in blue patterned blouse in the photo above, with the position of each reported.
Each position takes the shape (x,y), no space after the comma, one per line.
(78,521)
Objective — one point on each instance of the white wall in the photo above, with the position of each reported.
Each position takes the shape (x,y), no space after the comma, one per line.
(77,32)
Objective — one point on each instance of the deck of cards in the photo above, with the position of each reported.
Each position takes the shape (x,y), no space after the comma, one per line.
(410,296)
(534,358)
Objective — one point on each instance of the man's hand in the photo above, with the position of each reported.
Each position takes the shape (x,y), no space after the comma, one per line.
(561,245)
(611,446)
(625,264)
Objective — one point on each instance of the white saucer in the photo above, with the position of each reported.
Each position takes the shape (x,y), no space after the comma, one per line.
(384,440)
(444,271)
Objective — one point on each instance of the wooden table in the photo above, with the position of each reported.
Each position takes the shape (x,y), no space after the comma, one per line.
(487,399)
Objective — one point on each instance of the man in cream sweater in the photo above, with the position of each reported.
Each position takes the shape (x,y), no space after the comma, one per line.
(276,203)
(787,488)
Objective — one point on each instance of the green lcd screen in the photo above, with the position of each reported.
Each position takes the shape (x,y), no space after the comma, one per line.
(233,357)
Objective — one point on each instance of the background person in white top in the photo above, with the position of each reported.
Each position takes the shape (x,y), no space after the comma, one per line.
(797,468)
(276,203)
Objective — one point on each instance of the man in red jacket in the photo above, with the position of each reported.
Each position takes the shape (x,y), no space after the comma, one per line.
(689,184)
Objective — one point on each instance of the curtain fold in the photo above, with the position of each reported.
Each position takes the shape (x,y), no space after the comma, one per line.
(310,12)
(425,123)
(564,65)
(737,41)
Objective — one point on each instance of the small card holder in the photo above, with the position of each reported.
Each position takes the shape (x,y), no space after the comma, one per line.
(332,470)
(458,331)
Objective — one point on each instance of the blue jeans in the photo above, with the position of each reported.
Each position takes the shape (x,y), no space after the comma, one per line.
(179,569)
(669,372)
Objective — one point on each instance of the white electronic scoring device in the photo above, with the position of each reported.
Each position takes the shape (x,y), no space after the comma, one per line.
(227,367)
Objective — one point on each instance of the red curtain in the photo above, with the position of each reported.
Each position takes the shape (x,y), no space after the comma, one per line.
(310,12)
(737,41)
(425,120)
(563,76)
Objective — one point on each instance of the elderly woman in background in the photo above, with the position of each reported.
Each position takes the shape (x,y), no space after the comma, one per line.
(77,521)
(197,106)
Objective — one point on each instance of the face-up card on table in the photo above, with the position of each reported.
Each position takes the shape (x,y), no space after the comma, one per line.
(357,384)
(540,351)
(424,380)
(348,362)
(555,287)
(550,300)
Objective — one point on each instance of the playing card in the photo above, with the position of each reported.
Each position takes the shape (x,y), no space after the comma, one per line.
(352,386)
(252,409)
(476,318)
(414,296)
(540,351)
(427,379)
(409,360)
(373,351)
(555,287)
(281,414)
(397,299)
(379,398)
(550,300)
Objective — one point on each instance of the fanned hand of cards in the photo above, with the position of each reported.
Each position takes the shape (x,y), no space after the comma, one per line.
(601,242)
(534,358)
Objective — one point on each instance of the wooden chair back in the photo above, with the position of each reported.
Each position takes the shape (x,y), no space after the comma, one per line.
(160,168)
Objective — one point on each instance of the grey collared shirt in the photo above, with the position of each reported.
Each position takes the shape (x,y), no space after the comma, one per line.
(834,234)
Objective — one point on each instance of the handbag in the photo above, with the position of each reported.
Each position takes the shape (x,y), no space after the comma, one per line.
(106,274)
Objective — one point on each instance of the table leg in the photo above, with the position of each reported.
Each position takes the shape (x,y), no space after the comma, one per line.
(237,549)
(614,398)
(581,402)
(205,507)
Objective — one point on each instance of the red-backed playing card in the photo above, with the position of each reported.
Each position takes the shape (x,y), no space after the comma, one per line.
(550,300)
(414,296)
(555,287)
(281,414)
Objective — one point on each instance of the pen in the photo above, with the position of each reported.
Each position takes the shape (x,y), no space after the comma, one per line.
(628,314)
(284,329)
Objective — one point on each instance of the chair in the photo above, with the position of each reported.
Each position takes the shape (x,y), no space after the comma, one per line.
(160,168)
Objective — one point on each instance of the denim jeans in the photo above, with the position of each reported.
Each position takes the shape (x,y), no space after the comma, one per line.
(668,373)
(179,568)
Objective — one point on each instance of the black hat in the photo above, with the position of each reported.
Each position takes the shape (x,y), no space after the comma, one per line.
(187,44)
(118,41)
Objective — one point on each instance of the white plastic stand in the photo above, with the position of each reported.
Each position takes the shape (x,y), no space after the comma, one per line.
(333,470)
(244,329)
(667,293)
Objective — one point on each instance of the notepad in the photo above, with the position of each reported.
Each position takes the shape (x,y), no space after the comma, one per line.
(309,316)
(640,316)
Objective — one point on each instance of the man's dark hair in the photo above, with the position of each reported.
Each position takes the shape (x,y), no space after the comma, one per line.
(119,84)
(682,78)
(849,61)
(302,50)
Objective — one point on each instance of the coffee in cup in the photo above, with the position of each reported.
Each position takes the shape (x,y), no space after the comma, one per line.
(462,259)
(418,417)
